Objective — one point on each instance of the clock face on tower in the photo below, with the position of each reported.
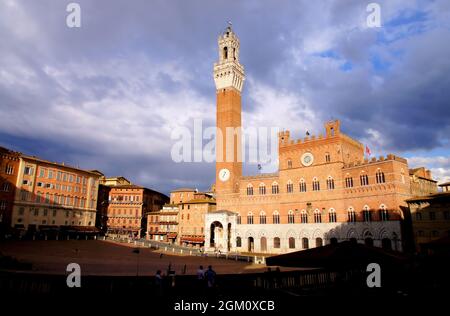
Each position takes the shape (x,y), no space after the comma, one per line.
(307,159)
(224,174)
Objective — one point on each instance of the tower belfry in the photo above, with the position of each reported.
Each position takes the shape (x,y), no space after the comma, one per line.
(229,80)
(228,72)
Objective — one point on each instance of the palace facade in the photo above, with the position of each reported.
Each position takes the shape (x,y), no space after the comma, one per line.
(325,190)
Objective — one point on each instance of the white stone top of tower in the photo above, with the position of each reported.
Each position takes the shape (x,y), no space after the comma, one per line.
(228,72)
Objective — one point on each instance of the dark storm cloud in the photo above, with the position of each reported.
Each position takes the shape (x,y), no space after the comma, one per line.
(107,96)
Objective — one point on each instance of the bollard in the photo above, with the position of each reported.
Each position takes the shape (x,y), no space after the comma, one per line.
(181,251)
(173,250)
(190,252)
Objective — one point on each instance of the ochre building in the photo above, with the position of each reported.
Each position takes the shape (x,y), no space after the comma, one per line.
(325,190)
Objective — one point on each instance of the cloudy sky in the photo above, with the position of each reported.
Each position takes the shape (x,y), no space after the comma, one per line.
(108,95)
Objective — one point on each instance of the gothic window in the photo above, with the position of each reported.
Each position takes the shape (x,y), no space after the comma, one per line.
(304,217)
(250,218)
(316,184)
(364,179)
(290,187)
(349,182)
(351,215)
(291,218)
(276,217)
(262,218)
(249,189)
(302,185)
(332,215)
(262,189)
(275,188)
(225,52)
(380,176)
(367,214)
(330,183)
(384,215)
(317,216)
(327,157)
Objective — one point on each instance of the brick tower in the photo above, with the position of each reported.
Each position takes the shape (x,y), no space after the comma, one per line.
(229,79)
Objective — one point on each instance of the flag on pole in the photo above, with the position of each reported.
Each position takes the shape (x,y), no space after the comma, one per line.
(368,152)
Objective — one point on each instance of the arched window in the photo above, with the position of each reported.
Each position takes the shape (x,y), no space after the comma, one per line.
(327,157)
(348,181)
(262,218)
(275,188)
(238,242)
(384,215)
(289,187)
(289,163)
(304,217)
(319,242)
(316,184)
(386,244)
(351,215)
(276,242)
(263,244)
(364,179)
(317,216)
(330,183)
(332,215)
(291,217)
(368,241)
(276,217)
(367,214)
(262,188)
(225,52)
(302,185)
(380,176)
(305,243)
(250,218)
(249,189)
(291,243)
(238,219)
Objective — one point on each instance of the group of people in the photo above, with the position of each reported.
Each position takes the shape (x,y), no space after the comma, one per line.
(205,279)
(206,276)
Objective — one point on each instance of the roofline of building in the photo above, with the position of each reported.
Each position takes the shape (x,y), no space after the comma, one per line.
(429,197)
(33,158)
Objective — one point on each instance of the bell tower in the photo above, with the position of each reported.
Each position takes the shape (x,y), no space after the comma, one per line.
(229,80)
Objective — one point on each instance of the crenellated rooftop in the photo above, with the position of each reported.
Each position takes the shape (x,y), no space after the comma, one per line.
(373,160)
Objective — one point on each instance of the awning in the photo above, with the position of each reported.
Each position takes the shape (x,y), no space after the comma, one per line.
(80,229)
(48,227)
(172,235)
(193,239)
